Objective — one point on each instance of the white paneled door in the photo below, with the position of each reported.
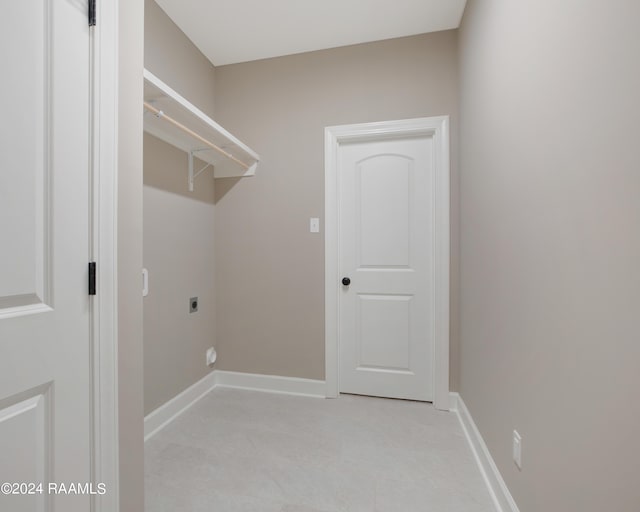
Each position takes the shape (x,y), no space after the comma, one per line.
(45,358)
(386,266)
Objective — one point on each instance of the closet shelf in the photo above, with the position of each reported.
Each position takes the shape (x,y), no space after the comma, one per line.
(173,119)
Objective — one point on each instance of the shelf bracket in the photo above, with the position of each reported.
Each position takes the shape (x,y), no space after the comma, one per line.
(192,174)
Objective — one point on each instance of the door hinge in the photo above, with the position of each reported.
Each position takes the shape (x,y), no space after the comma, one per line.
(92,13)
(92,278)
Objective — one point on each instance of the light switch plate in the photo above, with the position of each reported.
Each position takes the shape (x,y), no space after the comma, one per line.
(314,225)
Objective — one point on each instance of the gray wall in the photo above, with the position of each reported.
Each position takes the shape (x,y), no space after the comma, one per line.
(550,246)
(130,408)
(178,253)
(174,59)
(178,228)
(269,268)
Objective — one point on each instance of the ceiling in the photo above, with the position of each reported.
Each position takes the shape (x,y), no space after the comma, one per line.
(231,31)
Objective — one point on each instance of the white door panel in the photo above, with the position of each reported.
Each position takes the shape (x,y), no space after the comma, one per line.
(386,219)
(383,189)
(24,441)
(384,336)
(24,156)
(45,415)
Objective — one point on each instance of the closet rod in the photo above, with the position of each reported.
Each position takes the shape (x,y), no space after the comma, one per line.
(182,127)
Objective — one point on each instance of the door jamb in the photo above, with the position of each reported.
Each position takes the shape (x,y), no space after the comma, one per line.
(438,128)
(104,305)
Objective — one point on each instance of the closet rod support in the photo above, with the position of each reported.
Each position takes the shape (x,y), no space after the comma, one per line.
(193,175)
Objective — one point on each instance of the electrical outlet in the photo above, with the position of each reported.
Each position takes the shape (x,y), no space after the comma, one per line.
(517,449)
(193,305)
(314,225)
(211,356)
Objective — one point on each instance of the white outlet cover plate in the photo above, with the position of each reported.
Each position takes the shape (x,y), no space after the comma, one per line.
(517,449)
(314,225)
(211,356)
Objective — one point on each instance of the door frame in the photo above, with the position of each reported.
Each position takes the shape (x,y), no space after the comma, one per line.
(438,129)
(103,246)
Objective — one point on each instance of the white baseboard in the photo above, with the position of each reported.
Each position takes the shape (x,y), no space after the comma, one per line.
(453,401)
(155,421)
(500,494)
(271,383)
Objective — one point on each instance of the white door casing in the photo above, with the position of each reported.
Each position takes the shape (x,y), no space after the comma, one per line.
(104,305)
(387,230)
(57,370)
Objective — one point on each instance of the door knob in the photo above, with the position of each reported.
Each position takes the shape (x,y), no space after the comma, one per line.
(346,281)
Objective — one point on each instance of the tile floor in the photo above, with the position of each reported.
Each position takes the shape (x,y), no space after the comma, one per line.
(249,451)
